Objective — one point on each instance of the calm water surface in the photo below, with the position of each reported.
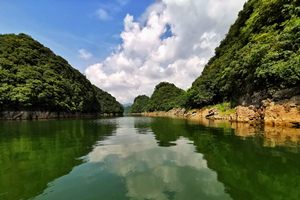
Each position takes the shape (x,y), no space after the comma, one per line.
(147,158)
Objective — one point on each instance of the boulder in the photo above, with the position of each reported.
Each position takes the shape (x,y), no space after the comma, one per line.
(245,114)
(204,113)
(212,112)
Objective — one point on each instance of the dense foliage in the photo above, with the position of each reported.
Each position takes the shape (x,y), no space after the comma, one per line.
(261,52)
(108,103)
(165,97)
(32,77)
(139,104)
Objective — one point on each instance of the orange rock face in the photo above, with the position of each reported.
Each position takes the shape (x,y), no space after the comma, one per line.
(277,114)
(245,114)
(282,109)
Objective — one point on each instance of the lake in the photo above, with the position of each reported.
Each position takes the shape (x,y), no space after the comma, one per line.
(147,158)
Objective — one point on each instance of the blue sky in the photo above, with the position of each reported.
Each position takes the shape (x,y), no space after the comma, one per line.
(67,26)
(126,47)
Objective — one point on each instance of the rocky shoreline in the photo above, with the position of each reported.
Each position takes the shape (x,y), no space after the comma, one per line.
(30,115)
(282,108)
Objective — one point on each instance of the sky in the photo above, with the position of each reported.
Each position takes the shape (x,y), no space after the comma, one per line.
(126,47)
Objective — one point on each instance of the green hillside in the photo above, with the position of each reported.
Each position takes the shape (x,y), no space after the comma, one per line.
(108,103)
(261,52)
(165,97)
(139,104)
(32,77)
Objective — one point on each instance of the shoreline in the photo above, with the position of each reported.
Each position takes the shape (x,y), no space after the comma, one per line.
(273,135)
(35,115)
(276,108)
(274,115)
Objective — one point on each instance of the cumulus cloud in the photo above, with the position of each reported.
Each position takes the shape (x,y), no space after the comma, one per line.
(145,58)
(84,54)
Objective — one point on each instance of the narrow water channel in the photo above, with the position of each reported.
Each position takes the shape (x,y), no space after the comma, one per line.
(147,158)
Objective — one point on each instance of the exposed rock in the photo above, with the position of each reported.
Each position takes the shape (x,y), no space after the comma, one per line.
(176,112)
(266,102)
(213,111)
(257,97)
(23,115)
(204,113)
(286,94)
(245,114)
(220,117)
(295,100)
(283,111)
(277,114)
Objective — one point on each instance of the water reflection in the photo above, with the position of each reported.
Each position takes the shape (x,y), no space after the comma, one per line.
(148,158)
(33,153)
(253,162)
(153,172)
(142,124)
(271,136)
(140,169)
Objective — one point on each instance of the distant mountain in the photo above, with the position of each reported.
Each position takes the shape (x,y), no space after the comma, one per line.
(32,77)
(127,109)
(127,104)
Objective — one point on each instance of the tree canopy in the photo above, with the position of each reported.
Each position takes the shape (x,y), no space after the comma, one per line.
(32,77)
(165,97)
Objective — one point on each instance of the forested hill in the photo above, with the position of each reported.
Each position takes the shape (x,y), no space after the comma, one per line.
(165,97)
(32,77)
(261,52)
(139,104)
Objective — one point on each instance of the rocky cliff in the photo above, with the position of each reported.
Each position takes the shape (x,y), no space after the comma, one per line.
(282,107)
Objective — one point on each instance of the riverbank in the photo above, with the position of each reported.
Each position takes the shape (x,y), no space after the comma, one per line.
(287,114)
(29,115)
(272,108)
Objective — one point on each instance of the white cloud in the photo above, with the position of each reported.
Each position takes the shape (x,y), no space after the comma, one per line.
(123,2)
(107,10)
(144,58)
(102,14)
(84,54)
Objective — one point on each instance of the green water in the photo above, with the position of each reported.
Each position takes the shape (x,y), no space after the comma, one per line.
(146,158)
